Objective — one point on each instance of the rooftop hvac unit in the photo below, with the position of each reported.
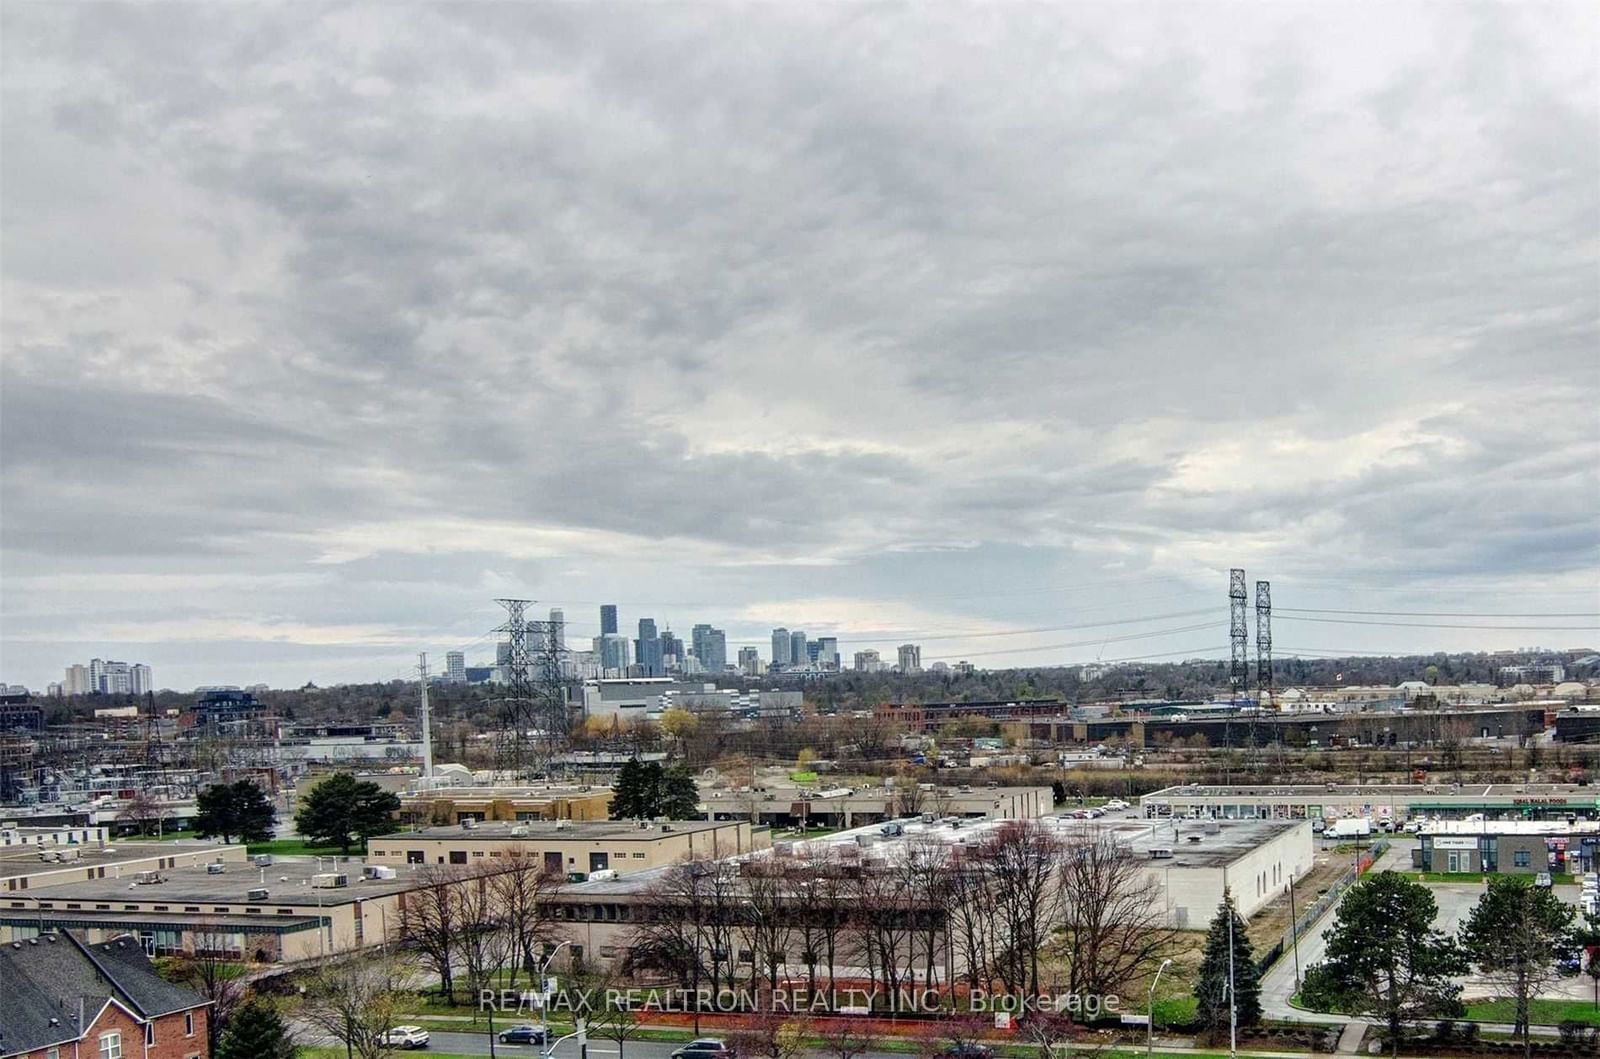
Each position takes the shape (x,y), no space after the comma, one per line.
(330,880)
(215,868)
(1192,838)
(1160,853)
(562,825)
(519,831)
(377,871)
(602,875)
(258,894)
(468,824)
(1212,827)
(146,878)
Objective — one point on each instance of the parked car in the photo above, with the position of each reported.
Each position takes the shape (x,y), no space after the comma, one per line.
(702,1048)
(527,1033)
(404,1037)
(1571,963)
(966,1050)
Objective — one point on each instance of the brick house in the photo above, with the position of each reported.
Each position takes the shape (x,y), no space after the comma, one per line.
(67,999)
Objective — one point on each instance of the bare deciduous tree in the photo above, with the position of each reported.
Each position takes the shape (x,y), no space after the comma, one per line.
(1114,924)
(355,1001)
(430,924)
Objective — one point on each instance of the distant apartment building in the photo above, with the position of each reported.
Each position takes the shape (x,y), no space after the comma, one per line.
(749,661)
(710,647)
(455,667)
(107,678)
(672,652)
(910,658)
(608,619)
(647,650)
(1542,673)
(828,652)
(611,650)
(868,662)
(781,651)
(77,681)
(798,653)
(558,629)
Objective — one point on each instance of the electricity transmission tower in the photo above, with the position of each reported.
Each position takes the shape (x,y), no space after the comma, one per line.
(532,720)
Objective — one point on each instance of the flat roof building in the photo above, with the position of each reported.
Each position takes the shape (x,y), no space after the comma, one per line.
(575,848)
(1379,801)
(33,867)
(847,807)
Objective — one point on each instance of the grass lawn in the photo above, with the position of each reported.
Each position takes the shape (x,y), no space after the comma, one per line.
(1175,1010)
(1541,1012)
(1471,877)
(298,847)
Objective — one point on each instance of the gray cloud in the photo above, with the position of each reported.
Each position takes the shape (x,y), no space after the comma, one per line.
(873,305)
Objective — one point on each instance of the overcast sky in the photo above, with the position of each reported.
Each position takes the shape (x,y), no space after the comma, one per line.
(325,325)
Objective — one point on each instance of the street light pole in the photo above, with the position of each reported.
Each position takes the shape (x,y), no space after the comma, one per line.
(1233,1006)
(1150,1027)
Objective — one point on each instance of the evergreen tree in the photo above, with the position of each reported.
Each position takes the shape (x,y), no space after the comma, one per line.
(677,796)
(628,795)
(228,809)
(1514,934)
(1385,958)
(342,810)
(255,1032)
(1211,987)
(644,791)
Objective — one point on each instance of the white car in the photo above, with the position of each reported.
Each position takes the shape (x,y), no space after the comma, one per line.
(404,1037)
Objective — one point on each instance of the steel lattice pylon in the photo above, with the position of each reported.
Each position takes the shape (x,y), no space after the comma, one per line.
(533,714)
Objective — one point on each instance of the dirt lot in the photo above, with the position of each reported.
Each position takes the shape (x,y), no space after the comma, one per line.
(1269,924)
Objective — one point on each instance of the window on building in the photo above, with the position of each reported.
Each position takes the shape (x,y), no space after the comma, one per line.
(111,1046)
(149,1033)
(1521,858)
(458,856)
(638,856)
(188,1024)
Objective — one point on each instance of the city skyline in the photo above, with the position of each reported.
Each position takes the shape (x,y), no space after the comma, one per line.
(1014,318)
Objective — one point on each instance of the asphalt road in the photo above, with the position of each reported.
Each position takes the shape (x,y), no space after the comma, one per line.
(479,1043)
(1455,901)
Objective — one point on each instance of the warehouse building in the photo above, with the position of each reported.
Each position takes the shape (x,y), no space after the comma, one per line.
(521,804)
(574,848)
(1393,802)
(32,867)
(1190,865)
(847,807)
(241,912)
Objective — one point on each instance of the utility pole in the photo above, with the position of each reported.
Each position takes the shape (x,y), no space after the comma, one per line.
(427,727)
(1233,999)
(1294,932)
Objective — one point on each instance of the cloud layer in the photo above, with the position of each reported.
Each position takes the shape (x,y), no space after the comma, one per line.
(323,326)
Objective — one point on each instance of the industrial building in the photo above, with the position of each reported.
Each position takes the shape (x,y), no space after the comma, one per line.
(28,867)
(572,847)
(284,912)
(847,807)
(1190,864)
(1393,802)
(452,805)
(1237,728)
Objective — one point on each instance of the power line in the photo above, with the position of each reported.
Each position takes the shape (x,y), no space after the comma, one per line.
(1440,613)
(1193,652)
(1088,643)
(1436,625)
